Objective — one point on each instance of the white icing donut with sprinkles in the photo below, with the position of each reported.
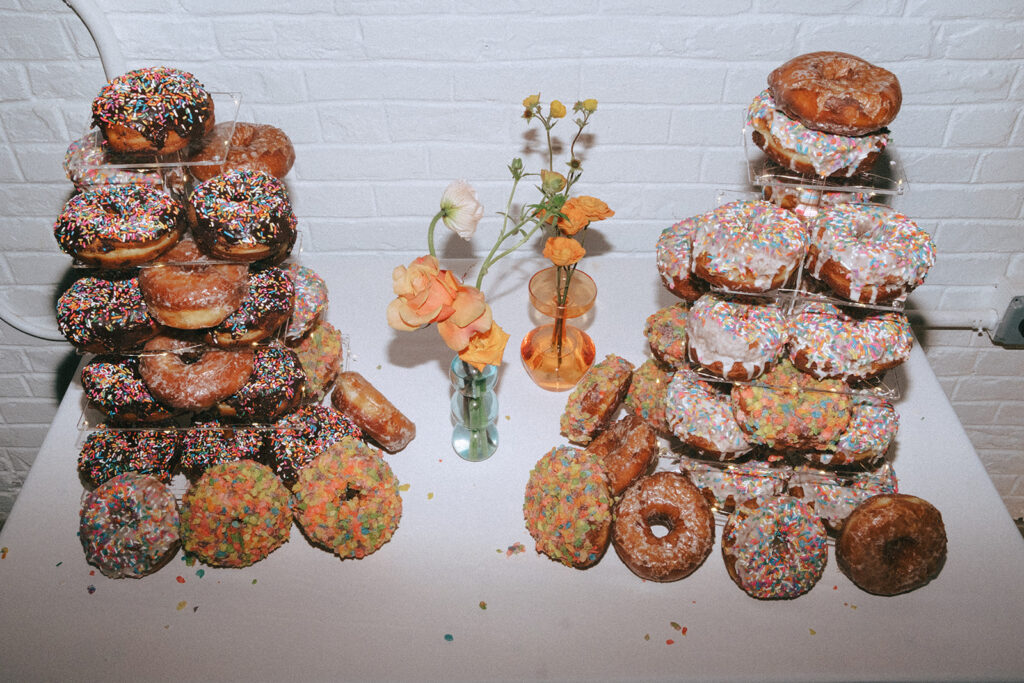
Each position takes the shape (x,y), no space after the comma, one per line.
(733,339)
(872,427)
(702,417)
(835,496)
(748,246)
(674,256)
(868,253)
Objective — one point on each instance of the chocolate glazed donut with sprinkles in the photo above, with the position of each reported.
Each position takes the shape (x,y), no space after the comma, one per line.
(157,110)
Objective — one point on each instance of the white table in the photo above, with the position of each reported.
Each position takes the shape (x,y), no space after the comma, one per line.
(444,600)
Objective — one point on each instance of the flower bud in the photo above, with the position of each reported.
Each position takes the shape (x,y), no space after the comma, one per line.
(557,109)
(532,101)
(551,181)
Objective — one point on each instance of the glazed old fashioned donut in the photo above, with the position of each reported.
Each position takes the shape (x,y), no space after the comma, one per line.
(273,389)
(734,339)
(827,342)
(264,310)
(626,450)
(648,391)
(775,550)
(568,508)
(107,453)
(594,400)
(788,410)
(119,226)
(129,526)
(300,436)
(185,290)
(190,376)
(700,414)
(355,397)
(748,246)
(834,496)
(836,93)
(806,151)
(98,315)
(155,110)
(892,543)
(238,145)
(236,514)
(868,252)
(346,500)
(674,256)
(243,216)
(671,501)
(113,385)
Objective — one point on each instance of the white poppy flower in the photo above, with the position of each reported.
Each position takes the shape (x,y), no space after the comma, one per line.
(461,211)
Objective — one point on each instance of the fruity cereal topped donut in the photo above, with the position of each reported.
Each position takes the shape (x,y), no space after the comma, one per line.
(156,110)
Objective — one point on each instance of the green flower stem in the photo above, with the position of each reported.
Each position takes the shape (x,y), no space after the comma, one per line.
(430,233)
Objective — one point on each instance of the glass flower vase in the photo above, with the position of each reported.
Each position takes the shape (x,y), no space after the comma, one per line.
(474,410)
(557,354)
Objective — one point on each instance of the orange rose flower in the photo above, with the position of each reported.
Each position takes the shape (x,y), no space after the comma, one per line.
(486,348)
(472,315)
(425,294)
(563,251)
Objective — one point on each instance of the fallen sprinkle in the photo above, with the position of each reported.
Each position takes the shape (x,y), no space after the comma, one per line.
(430,495)
(180,579)
(675,626)
(92,572)
(813,632)
(195,609)
(3,553)
(647,636)
(59,563)
(181,605)
(683,630)
(449,637)
(835,588)
(91,588)
(670,642)
(483,605)
(254,582)
(515,549)
(200,573)
(403,487)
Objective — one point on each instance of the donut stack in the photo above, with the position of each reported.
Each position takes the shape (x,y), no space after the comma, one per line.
(210,352)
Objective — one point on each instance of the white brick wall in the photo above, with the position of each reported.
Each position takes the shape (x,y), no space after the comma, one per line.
(387,101)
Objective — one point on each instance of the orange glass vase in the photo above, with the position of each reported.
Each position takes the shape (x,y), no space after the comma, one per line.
(557,354)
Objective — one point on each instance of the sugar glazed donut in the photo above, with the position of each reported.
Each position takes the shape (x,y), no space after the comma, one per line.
(243,216)
(868,253)
(155,110)
(264,310)
(733,339)
(807,151)
(185,290)
(669,500)
(113,385)
(129,526)
(255,146)
(567,507)
(828,343)
(775,550)
(836,93)
(594,400)
(190,376)
(748,246)
(674,256)
(118,226)
(378,418)
(626,450)
(834,496)
(98,315)
(107,453)
(346,500)
(700,414)
(236,514)
(892,543)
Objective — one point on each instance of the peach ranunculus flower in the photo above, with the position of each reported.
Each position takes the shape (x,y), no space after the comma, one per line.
(563,251)
(472,315)
(594,208)
(486,348)
(461,211)
(426,294)
(573,219)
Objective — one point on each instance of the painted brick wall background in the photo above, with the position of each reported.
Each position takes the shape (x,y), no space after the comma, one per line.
(387,101)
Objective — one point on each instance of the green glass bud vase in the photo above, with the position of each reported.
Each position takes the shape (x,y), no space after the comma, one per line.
(474,410)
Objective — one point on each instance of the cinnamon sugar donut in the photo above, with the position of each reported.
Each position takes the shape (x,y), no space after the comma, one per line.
(868,252)
(186,290)
(190,376)
(261,315)
(892,543)
(594,400)
(670,500)
(243,216)
(836,93)
(748,246)
(674,253)
(626,450)
(98,315)
(734,339)
(155,110)
(119,226)
(355,397)
(254,146)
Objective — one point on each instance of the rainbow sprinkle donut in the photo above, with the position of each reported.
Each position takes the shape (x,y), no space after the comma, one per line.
(868,253)
(734,340)
(665,330)
(99,315)
(702,416)
(674,255)
(807,151)
(748,246)
(726,486)
(835,496)
(775,550)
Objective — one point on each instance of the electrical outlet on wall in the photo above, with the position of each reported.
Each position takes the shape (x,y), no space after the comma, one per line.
(1010,331)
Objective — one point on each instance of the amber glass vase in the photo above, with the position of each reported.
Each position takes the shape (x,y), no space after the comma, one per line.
(557,354)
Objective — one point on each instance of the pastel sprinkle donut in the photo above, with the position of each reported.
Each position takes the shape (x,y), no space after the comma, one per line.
(733,339)
(835,496)
(310,302)
(701,416)
(665,331)
(872,428)
(594,400)
(674,257)
(728,485)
